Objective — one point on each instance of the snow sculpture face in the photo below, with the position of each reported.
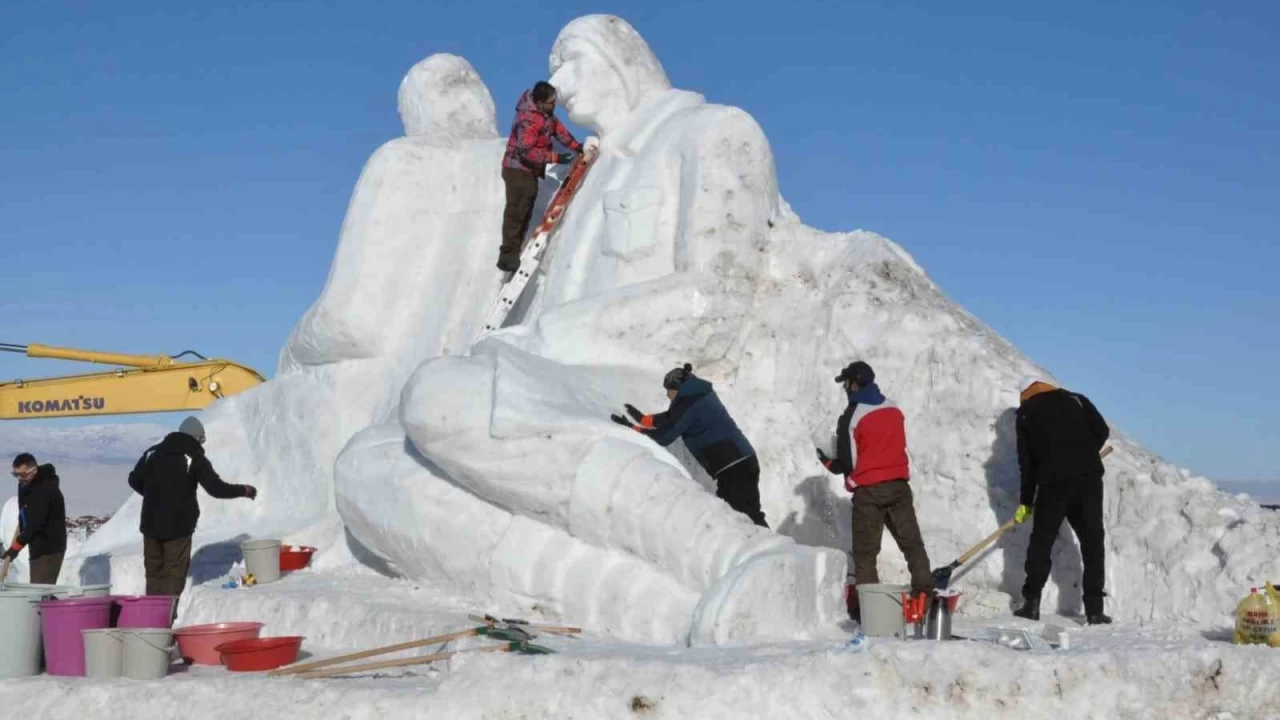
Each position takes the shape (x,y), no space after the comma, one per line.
(444,92)
(602,70)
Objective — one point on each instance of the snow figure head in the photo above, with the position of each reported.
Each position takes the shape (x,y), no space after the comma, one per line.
(602,70)
(444,92)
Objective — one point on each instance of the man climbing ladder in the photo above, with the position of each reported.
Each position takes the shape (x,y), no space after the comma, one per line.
(531,256)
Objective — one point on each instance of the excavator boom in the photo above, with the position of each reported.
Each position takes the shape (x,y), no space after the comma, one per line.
(155,383)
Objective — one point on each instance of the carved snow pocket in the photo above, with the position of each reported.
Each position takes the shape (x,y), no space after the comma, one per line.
(631,221)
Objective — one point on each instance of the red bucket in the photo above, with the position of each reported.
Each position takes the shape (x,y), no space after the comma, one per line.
(199,643)
(295,557)
(260,654)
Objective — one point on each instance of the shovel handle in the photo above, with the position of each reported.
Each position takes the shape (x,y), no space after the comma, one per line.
(985,542)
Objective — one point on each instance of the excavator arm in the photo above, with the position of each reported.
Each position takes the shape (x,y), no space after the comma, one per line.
(146,384)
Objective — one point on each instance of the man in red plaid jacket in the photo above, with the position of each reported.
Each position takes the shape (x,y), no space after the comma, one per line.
(529,151)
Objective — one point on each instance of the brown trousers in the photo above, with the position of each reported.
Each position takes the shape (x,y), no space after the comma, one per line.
(522,191)
(46,568)
(167,562)
(888,504)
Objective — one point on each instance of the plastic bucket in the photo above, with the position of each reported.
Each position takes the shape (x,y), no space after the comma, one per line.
(103,653)
(60,592)
(145,611)
(881,607)
(262,559)
(260,654)
(198,643)
(20,644)
(148,652)
(293,557)
(61,622)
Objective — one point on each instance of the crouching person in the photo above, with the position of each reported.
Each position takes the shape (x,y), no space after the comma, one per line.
(878,478)
(698,417)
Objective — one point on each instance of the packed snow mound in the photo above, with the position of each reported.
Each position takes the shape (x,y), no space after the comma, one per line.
(490,469)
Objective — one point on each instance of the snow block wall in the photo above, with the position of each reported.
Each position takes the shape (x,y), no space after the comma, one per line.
(491,470)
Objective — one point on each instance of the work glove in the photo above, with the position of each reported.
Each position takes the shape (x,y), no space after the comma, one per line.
(1022,513)
(621,420)
(822,457)
(250,491)
(634,413)
(564,157)
(11,554)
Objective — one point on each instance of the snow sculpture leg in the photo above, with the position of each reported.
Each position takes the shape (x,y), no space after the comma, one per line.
(526,434)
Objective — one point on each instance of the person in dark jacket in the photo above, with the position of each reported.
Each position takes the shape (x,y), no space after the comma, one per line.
(1060,437)
(698,417)
(529,152)
(42,520)
(166,477)
(878,477)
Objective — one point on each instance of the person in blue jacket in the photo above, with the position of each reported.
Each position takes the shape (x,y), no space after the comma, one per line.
(697,416)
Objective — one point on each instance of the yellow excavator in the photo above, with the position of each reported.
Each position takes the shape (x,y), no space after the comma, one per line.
(143,384)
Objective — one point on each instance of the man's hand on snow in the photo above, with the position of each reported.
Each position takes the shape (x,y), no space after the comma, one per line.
(592,145)
(622,421)
(564,157)
(1022,513)
(822,457)
(250,491)
(634,413)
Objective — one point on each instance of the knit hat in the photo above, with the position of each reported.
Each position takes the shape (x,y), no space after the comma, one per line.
(859,372)
(673,379)
(193,427)
(1027,381)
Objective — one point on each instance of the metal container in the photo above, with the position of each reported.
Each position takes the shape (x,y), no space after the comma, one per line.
(937,623)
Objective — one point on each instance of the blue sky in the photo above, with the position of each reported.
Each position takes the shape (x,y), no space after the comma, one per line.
(1100,184)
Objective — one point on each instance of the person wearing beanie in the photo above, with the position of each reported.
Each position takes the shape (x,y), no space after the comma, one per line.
(166,477)
(1060,436)
(42,520)
(877,476)
(698,417)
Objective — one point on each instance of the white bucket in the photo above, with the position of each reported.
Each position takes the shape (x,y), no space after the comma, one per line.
(881,609)
(21,645)
(147,652)
(103,653)
(262,559)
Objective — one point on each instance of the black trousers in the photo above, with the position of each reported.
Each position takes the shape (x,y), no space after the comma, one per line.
(1079,501)
(739,485)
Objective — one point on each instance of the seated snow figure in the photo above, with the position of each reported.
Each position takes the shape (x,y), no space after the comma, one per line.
(677,204)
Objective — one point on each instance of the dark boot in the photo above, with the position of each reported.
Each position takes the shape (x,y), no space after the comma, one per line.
(1093,610)
(851,603)
(508,262)
(1030,609)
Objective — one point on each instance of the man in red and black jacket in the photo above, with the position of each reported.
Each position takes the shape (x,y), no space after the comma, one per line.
(529,152)
(878,478)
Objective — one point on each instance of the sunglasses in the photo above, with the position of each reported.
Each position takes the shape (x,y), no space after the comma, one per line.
(22,473)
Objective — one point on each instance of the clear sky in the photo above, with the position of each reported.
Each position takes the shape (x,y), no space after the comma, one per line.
(1099,181)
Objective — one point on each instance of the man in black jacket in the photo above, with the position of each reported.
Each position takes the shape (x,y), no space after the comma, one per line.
(1060,436)
(166,477)
(42,520)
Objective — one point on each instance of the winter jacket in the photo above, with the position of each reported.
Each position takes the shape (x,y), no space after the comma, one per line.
(42,515)
(166,477)
(1060,435)
(697,416)
(876,428)
(529,146)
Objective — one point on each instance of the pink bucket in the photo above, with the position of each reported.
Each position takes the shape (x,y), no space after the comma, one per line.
(61,622)
(145,611)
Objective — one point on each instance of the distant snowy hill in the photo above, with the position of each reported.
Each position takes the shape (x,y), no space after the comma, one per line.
(93,461)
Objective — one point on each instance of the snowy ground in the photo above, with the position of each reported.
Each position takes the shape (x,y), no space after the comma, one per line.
(1124,671)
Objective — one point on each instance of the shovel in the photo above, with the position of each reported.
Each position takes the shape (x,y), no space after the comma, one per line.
(942,575)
